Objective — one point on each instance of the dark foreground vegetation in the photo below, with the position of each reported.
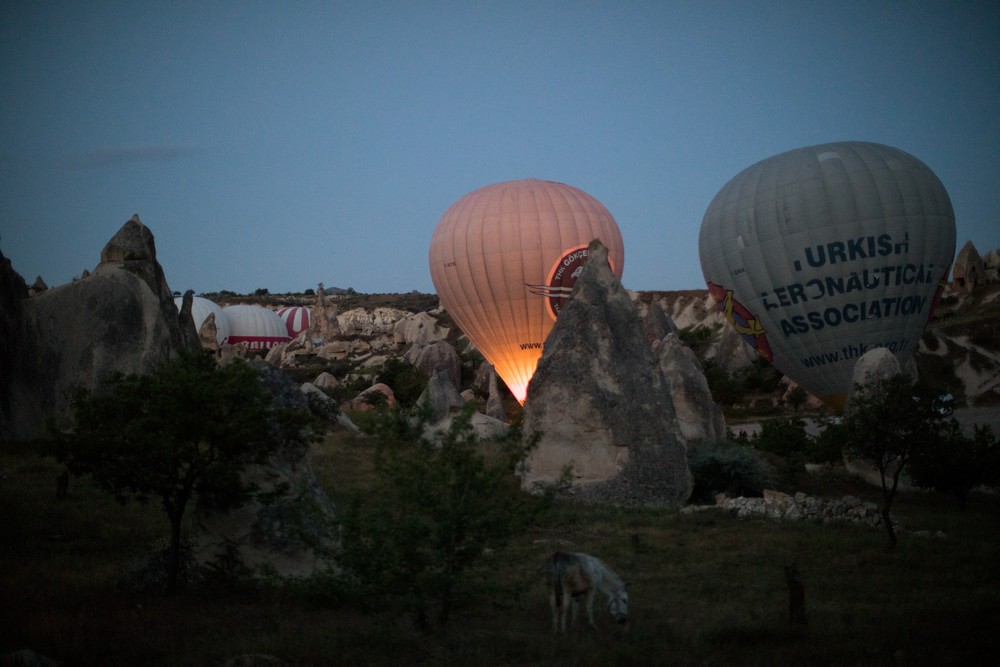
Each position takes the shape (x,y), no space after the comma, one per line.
(707,588)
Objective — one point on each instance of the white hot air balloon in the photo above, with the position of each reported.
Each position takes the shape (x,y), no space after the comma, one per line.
(201,308)
(505,257)
(820,254)
(255,326)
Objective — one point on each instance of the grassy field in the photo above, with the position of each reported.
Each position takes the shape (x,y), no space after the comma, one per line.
(707,588)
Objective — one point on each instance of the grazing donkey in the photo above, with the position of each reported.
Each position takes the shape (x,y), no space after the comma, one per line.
(573,575)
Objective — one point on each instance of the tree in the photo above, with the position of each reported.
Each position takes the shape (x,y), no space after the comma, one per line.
(888,422)
(960,463)
(407,381)
(435,508)
(782,436)
(797,397)
(186,430)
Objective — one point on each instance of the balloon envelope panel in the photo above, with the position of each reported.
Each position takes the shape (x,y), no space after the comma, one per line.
(504,258)
(255,326)
(296,319)
(201,308)
(822,253)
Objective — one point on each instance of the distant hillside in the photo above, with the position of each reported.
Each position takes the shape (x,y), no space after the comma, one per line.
(959,352)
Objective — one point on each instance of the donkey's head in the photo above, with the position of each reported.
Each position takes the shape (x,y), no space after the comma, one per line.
(618,604)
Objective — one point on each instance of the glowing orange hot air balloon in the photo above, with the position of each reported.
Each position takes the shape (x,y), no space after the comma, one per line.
(504,259)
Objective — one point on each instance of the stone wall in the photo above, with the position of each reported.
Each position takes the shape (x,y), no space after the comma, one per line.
(799,507)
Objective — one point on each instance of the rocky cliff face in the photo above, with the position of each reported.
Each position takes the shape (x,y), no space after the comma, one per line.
(598,402)
(120,318)
(13,292)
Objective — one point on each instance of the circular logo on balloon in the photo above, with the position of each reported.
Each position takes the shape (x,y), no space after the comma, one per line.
(740,317)
(562,278)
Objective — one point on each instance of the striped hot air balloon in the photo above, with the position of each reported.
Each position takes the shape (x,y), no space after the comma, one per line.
(296,319)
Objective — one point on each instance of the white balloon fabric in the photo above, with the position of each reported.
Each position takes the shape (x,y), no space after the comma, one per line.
(201,308)
(822,253)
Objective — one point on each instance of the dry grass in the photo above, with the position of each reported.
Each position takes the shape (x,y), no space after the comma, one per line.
(707,588)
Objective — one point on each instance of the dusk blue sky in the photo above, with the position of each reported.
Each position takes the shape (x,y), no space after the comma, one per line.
(282,144)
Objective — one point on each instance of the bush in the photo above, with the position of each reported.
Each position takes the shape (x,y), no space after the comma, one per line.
(407,381)
(726,467)
(725,390)
(435,510)
(186,430)
(698,338)
(783,437)
(828,447)
(759,376)
(959,463)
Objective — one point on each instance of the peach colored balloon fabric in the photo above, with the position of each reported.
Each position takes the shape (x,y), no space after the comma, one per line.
(504,257)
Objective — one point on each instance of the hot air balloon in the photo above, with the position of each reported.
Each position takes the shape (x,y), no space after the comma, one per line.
(296,319)
(255,327)
(820,254)
(201,308)
(504,259)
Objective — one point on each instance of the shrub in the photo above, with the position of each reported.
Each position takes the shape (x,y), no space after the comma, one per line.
(434,511)
(698,338)
(186,430)
(726,467)
(407,381)
(725,390)
(887,423)
(959,463)
(783,437)
(828,446)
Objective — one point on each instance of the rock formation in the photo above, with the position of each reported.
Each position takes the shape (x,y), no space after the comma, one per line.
(441,394)
(13,355)
(656,324)
(119,319)
(968,271)
(418,329)
(598,401)
(700,418)
(323,322)
(326,381)
(874,365)
(37,287)
(361,322)
(494,399)
(439,357)
(191,334)
(367,399)
(731,353)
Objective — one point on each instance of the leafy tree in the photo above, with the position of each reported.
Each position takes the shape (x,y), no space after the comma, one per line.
(782,437)
(433,512)
(889,422)
(725,390)
(185,430)
(828,446)
(733,468)
(797,397)
(759,376)
(959,463)
(698,338)
(407,381)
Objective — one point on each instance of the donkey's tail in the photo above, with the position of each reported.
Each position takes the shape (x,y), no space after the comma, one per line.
(554,568)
